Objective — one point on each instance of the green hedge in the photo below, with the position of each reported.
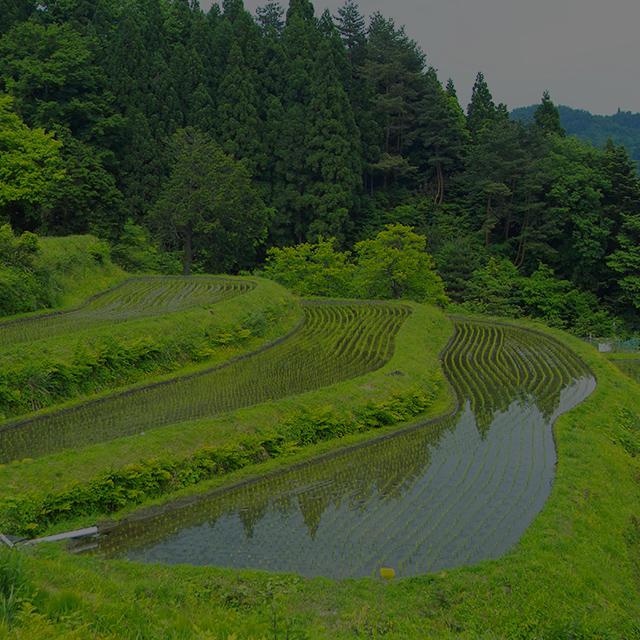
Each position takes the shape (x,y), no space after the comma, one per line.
(30,515)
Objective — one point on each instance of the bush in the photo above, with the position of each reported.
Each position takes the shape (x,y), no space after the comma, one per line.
(311,269)
(499,289)
(392,265)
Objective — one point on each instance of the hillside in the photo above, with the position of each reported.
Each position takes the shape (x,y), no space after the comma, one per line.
(340,425)
(622,127)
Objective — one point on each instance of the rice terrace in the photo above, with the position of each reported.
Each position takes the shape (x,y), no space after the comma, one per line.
(307,334)
(332,448)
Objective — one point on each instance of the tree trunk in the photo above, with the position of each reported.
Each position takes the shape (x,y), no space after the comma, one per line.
(187,257)
(487,227)
(439,197)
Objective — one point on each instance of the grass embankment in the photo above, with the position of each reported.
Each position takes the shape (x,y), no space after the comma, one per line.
(628,363)
(64,272)
(575,573)
(49,360)
(409,384)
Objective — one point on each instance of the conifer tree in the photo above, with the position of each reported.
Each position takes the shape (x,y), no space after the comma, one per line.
(352,28)
(394,68)
(209,206)
(238,123)
(300,40)
(443,136)
(621,203)
(332,141)
(547,117)
(482,109)
(271,18)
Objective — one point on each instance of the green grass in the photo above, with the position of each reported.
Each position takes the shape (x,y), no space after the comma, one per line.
(78,267)
(336,342)
(69,270)
(105,355)
(628,363)
(574,574)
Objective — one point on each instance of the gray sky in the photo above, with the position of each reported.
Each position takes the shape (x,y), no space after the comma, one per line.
(586,52)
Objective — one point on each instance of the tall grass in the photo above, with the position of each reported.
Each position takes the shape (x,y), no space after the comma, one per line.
(15,586)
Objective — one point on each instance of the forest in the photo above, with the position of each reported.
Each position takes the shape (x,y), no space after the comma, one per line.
(623,127)
(306,146)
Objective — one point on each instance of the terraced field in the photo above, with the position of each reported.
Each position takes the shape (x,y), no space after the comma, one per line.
(336,341)
(490,365)
(136,298)
(428,498)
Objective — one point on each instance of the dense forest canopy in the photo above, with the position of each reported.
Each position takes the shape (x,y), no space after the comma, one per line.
(215,137)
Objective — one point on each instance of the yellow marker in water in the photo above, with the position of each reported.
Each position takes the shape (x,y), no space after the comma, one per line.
(387,573)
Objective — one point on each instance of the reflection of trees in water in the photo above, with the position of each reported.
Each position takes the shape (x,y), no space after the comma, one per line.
(489,367)
(384,469)
(493,365)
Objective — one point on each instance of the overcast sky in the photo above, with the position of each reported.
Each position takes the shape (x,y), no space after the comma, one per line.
(586,52)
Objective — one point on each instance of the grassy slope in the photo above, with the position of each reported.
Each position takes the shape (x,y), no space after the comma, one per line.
(77,268)
(175,335)
(576,572)
(628,363)
(418,344)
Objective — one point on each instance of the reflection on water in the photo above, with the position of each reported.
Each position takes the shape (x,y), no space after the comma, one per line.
(434,497)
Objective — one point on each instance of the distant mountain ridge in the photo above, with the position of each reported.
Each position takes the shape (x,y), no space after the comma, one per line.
(622,127)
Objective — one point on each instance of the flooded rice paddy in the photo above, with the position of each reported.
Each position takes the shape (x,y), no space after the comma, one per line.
(433,497)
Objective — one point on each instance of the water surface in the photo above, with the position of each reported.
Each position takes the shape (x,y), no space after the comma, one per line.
(430,498)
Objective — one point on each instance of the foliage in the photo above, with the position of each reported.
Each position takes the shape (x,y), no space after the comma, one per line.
(499,289)
(19,287)
(135,252)
(625,261)
(560,304)
(311,269)
(395,265)
(209,204)
(494,289)
(392,265)
(341,127)
(29,162)
(37,273)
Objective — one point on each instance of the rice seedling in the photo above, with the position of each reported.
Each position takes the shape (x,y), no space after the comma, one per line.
(336,341)
(133,299)
(431,497)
